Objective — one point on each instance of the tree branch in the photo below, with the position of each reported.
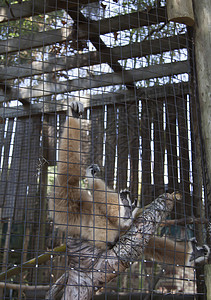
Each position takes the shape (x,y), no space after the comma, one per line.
(23,287)
(58,286)
(90,268)
(184,221)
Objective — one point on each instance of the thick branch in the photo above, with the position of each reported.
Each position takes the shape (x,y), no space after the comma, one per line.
(90,268)
(58,286)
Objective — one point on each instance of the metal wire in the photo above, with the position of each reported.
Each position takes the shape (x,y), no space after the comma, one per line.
(134,73)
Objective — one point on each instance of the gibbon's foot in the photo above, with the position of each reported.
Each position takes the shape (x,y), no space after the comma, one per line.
(200,253)
(77,108)
(125,196)
(92,170)
(129,205)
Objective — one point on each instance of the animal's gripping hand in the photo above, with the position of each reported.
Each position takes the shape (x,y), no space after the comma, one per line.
(77,108)
(129,205)
(92,170)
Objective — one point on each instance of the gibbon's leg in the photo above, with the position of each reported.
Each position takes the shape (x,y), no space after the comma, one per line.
(117,207)
(164,250)
(167,251)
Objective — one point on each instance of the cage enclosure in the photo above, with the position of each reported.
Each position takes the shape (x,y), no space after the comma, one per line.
(80,184)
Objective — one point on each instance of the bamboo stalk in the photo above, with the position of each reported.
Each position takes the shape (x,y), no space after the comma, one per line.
(36,261)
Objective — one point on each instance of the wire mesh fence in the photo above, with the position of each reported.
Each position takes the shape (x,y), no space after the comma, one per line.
(78,181)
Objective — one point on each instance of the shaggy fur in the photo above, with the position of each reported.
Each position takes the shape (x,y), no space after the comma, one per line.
(99,215)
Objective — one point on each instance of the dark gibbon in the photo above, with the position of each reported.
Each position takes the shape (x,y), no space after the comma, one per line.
(99,214)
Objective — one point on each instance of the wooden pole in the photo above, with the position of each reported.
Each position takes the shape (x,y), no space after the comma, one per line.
(202,31)
(207,272)
(202,10)
(180,11)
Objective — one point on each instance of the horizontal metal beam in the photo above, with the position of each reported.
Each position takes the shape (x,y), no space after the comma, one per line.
(109,79)
(24,9)
(87,59)
(133,20)
(34,40)
(122,22)
(121,97)
(32,8)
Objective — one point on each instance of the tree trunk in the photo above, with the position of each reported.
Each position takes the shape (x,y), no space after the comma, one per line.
(203,66)
(90,268)
(202,11)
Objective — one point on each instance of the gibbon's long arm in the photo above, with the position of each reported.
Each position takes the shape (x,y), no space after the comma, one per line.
(68,166)
(69,154)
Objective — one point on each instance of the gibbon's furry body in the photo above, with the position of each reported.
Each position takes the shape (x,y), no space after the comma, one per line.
(99,215)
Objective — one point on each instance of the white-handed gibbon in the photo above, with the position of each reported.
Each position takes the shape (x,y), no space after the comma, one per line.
(99,214)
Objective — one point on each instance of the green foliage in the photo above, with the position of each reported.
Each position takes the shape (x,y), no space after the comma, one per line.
(59,19)
(26,27)
(52,170)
